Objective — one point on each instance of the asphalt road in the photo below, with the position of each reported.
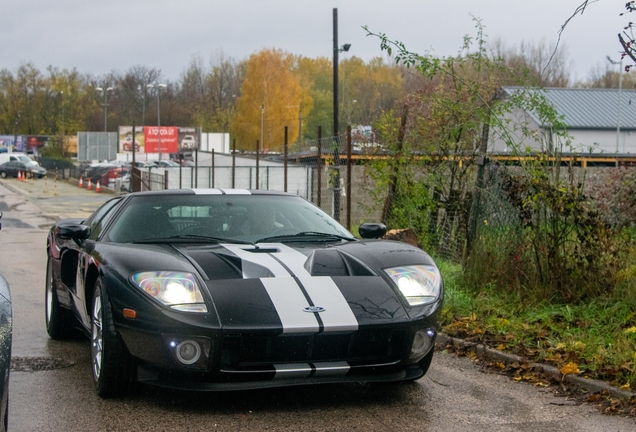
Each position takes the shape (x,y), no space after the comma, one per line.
(51,387)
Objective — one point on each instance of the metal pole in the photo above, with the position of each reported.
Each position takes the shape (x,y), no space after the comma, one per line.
(262,119)
(336,126)
(285,160)
(618,105)
(257,144)
(106,112)
(620,89)
(158,121)
(319,170)
(213,168)
(233,163)
(349,177)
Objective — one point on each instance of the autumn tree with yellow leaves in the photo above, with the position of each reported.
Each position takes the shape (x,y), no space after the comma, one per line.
(272,92)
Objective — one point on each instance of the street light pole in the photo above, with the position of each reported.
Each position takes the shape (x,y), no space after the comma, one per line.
(105,104)
(158,88)
(336,125)
(262,119)
(618,105)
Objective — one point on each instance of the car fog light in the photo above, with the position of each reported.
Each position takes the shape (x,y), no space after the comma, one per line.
(422,344)
(188,352)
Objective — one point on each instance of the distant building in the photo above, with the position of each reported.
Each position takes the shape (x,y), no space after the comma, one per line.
(591,116)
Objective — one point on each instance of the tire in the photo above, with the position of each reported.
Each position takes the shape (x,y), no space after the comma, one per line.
(59,321)
(112,365)
(3,174)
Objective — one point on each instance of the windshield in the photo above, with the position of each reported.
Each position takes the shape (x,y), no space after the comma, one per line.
(27,159)
(220,217)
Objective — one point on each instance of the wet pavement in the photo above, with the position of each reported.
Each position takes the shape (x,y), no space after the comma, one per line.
(51,387)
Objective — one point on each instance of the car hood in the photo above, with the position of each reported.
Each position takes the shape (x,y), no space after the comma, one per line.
(292,287)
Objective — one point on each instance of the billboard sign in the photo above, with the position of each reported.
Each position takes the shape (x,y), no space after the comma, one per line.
(169,139)
(126,140)
(173,139)
(188,139)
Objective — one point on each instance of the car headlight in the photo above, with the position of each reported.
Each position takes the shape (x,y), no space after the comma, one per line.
(420,284)
(173,289)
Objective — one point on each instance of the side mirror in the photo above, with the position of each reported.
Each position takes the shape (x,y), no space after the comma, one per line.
(372,230)
(77,232)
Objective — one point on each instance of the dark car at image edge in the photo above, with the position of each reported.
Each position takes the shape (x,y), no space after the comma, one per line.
(221,289)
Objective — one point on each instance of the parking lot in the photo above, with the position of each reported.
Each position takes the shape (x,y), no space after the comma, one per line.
(51,387)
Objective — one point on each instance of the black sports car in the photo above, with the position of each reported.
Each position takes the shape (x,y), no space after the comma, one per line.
(214,289)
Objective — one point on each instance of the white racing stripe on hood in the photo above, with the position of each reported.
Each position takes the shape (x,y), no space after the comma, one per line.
(324,292)
(293,259)
(289,302)
(287,296)
(262,259)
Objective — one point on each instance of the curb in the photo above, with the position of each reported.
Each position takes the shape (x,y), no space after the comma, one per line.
(485,352)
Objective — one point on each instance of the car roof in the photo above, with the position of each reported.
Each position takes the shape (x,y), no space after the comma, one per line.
(204,191)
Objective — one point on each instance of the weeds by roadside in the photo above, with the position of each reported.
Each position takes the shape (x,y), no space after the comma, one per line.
(595,338)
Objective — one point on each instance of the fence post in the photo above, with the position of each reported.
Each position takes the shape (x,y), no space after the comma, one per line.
(319,171)
(165,179)
(180,170)
(233,163)
(257,144)
(336,177)
(481,162)
(212,173)
(388,202)
(285,169)
(349,178)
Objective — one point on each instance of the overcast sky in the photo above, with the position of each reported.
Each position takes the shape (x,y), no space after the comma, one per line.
(100,36)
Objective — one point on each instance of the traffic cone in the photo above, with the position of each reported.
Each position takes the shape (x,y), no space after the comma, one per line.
(98,189)
(90,185)
(81,182)
(19,175)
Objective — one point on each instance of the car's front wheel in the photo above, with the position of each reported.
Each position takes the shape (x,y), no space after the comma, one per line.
(58,319)
(113,366)
(3,174)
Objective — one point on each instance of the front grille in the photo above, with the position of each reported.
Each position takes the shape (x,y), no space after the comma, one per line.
(363,346)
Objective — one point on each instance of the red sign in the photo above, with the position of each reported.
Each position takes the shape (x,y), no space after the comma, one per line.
(169,139)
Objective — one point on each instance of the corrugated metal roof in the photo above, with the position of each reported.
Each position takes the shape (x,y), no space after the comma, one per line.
(591,108)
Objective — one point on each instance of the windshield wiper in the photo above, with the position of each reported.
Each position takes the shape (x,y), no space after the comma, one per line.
(191,237)
(302,236)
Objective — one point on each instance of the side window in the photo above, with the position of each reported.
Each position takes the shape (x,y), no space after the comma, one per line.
(101,217)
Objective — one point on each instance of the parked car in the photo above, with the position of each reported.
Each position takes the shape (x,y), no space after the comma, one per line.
(127,144)
(166,164)
(222,289)
(6,157)
(11,169)
(188,142)
(145,164)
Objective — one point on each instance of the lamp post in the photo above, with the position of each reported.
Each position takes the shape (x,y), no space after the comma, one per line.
(336,50)
(336,125)
(158,88)
(62,96)
(105,92)
(143,106)
(262,120)
(618,105)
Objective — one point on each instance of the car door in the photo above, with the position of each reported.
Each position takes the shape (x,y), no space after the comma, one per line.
(97,222)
